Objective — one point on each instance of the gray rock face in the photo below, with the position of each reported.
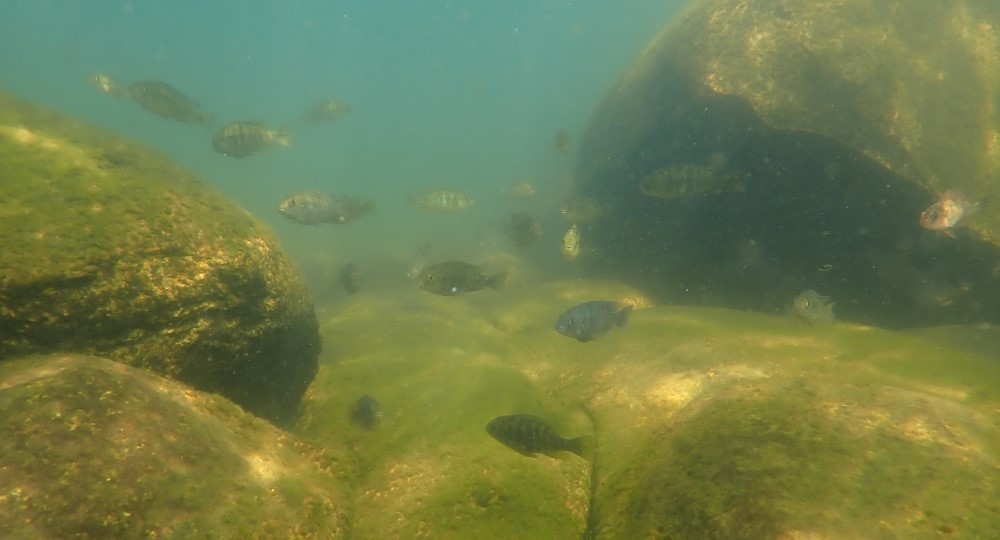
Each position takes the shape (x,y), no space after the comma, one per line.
(111,249)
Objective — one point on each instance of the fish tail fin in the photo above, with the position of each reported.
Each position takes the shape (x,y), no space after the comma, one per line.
(582,446)
(498,280)
(622,316)
(282,137)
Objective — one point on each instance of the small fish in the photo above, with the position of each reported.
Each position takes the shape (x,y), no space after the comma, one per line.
(571,243)
(442,200)
(350,278)
(109,86)
(675,182)
(325,112)
(523,229)
(366,412)
(590,320)
(166,101)
(813,307)
(314,207)
(949,212)
(579,209)
(242,139)
(530,435)
(456,277)
(563,142)
(521,190)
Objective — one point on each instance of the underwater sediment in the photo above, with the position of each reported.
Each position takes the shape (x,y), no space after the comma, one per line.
(113,250)
(843,122)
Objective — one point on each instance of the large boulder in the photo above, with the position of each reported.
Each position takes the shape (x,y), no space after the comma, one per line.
(844,121)
(709,423)
(93,448)
(111,249)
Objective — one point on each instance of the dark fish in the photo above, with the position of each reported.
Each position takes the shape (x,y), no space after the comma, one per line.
(591,320)
(325,112)
(314,207)
(350,278)
(164,100)
(455,277)
(530,435)
(523,229)
(242,139)
(563,142)
(813,307)
(366,412)
(675,182)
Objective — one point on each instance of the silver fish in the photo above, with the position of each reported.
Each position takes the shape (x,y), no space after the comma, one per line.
(315,207)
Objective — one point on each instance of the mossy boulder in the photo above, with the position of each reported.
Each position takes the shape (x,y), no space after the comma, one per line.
(93,448)
(428,469)
(844,121)
(111,249)
(709,423)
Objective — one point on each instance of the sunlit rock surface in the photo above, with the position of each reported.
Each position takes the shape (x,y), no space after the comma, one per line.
(709,423)
(111,249)
(91,448)
(845,119)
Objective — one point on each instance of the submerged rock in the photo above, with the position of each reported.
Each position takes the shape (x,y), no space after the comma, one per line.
(111,249)
(845,121)
(709,423)
(96,449)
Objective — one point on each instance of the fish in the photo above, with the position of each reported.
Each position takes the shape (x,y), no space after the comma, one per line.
(521,190)
(109,86)
(246,138)
(325,112)
(563,142)
(523,229)
(456,277)
(312,207)
(350,278)
(813,307)
(166,101)
(951,211)
(366,412)
(590,320)
(442,200)
(579,209)
(571,243)
(675,182)
(530,435)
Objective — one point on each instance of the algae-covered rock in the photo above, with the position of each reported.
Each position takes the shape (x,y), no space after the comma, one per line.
(111,249)
(96,449)
(428,469)
(844,121)
(709,423)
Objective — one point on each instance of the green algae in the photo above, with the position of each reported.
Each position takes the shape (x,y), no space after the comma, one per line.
(99,450)
(112,249)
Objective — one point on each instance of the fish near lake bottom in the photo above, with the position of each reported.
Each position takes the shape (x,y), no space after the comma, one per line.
(813,307)
(530,435)
(455,277)
(366,412)
(590,320)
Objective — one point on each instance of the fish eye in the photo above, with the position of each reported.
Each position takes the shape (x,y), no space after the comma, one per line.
(291,203)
